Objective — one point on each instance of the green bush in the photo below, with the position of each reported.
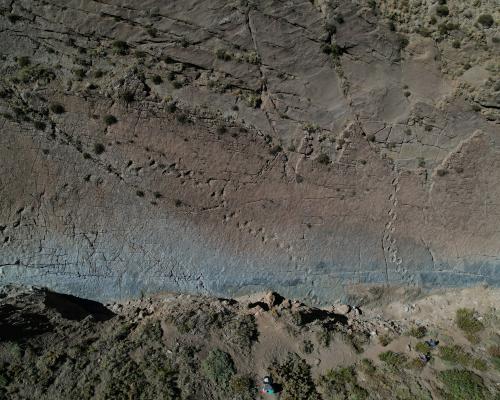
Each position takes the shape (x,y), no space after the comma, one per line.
(392,359)
(486,20)
(307,347)
(128,96)
(40,125)
(218,367)
(120,47)
(422,347)
(417,331)
(110,120)
(342,384)
(442,10)
(294,374)
(23,61)
(463,385)
(99,148)
(242,387)
(157,79)
(57,108)
(466,321)
(455,354)
(275,150)
(323,159)
(222,54)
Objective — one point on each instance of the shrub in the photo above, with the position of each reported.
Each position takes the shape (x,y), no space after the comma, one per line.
(415,363)
(110,120)
(442,10)
(342,384)
(294,374)
(454,354)
(99,148)
(417,331)
(222,54)
(275,150)
(385,339)
(157,79)
(177,84)
(80,73)
(139,193)
(323,159)
(182,118)
(221,129)
(152,31)
(463,385)
(441,172)
(307,347)
(367,366)
(57,108)
(13,18)
(466,321)
(392,359)
(128,96)
(40,125)
(242,387)
(253,100)
(23,61)
(486,20)
(218,367)
(120,47)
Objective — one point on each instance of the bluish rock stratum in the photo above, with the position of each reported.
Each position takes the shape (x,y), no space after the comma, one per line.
(228,147)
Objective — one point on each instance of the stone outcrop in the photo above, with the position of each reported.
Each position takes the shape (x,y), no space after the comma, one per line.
(232,147)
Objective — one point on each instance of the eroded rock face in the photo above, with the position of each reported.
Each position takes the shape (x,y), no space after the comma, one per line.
(289,146)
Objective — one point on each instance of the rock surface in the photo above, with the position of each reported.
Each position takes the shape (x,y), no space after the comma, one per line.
(233,147)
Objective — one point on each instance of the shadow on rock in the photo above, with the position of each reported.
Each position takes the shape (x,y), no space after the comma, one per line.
(75,308)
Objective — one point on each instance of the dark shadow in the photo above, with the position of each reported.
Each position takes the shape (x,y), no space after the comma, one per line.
(75,308)
(16,325)
(261,304)
(316,314)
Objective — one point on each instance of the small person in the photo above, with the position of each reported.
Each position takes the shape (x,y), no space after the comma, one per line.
(268,387)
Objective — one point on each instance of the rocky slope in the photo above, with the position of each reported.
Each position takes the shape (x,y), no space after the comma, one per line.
(55,346)
(234,146)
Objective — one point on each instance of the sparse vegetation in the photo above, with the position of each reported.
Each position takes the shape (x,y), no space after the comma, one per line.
(467,322)
(422,347)
(463,385)
(223,54)
(341,384)
(253,101)
(417,331)
(392,359)
(385,339)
